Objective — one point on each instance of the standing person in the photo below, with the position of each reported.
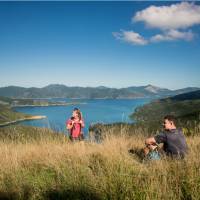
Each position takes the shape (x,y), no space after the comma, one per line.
(75,125)
(174,143)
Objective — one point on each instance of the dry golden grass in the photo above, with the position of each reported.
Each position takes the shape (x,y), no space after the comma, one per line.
(57,169)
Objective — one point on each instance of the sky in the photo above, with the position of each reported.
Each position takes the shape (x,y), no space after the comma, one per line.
(114,44)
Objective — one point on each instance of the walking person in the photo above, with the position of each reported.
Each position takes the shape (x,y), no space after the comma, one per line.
(75,125)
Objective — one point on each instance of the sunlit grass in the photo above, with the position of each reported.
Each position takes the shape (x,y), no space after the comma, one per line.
(50,167)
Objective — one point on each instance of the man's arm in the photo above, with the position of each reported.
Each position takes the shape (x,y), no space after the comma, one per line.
(160,138)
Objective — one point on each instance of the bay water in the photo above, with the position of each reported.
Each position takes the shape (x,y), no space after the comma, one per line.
(93,110)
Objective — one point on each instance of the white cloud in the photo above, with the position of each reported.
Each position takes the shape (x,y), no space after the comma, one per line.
(173,35)
(175,16)
(130,37)
(172,21)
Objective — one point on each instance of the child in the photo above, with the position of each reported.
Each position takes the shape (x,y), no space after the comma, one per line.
(75,125)
(151,152)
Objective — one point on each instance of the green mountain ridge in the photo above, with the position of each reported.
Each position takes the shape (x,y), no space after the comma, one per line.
(185,96)
(62,91)
(185,107)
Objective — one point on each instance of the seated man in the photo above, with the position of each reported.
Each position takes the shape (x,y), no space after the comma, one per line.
(173,140)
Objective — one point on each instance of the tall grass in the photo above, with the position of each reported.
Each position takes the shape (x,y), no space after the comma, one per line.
(54,168)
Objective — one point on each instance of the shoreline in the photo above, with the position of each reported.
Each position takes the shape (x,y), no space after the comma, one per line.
(48,105)
(36,117)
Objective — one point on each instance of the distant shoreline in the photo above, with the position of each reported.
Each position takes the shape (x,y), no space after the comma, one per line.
(47,105)
(36,117)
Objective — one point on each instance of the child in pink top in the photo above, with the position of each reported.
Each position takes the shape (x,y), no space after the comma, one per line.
(75,125)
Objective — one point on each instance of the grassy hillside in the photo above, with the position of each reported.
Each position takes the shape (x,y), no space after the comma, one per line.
(157,110)
(179,105)
(7,115)
(54,168)
(185,107)
(28,134)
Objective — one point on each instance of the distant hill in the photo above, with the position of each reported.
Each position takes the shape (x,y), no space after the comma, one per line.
(185,96)
(62,91)
(178,105)
(185,107)
(8,115)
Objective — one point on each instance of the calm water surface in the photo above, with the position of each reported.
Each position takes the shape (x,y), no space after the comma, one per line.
(94,111)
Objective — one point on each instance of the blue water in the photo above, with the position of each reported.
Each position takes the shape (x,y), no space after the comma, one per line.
(94,111)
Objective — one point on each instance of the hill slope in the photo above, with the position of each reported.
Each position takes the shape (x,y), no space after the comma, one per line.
(7,115)
(185,107)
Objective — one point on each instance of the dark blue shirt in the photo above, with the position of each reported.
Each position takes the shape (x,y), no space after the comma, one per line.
(174,142)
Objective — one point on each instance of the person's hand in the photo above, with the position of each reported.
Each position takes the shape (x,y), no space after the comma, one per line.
(152,146)
(82,123)
(146,151)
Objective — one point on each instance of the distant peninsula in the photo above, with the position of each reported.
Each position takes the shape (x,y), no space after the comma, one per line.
(46,104)
(8,115)
(27,118)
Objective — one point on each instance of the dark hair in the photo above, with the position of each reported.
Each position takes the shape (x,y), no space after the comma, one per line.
(76,109)
(170,118)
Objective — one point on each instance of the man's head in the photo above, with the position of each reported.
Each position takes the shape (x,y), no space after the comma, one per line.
(169,122)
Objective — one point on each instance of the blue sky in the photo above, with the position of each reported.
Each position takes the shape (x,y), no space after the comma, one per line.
(115,44)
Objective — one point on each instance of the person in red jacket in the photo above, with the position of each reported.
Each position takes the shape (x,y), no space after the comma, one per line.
(75,125)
